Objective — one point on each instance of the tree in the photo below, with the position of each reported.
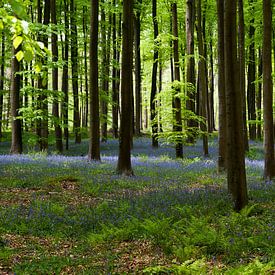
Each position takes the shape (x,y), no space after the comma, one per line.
(190,71)
(236,176)
(65,83)
(16,142)
(221,87)
(268,91)
(176,98)
(202,80)
(57,128)
(74,59)
(2,75)
(94,150)
(153,103)
(124,166)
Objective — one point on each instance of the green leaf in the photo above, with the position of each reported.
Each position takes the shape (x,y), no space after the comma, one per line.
(1,24)
(19,56)
(28,55)
(38,67)
(17,41)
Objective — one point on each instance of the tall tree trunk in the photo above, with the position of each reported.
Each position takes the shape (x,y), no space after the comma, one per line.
(16,127)
(153,103)
(74,59)
(105,37)
(124,159)
(241,60)
(43,85)
(190,72)
(221,88)
(259,96)
(2,75)
(115,72)
(94,150)
(176,99)
(137,71)
(251,77)
(212,87)
(236,176)
(86,87)
(57,128)
(202,81)
(268,91)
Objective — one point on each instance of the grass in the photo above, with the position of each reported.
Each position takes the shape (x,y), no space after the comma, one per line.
(66,215)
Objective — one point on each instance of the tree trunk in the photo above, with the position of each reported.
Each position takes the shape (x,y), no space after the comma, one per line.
(236,176)
(2,75)
(190,72)
(153,103)
(259,96)
(251,77)
(202,81)
(268,91)
(221,88)
(115,73)
(16,127)
(176,99)
(65,83)
(137,71)
(241,60)
(74,59)
(124,159)
(94,150)
(57,128)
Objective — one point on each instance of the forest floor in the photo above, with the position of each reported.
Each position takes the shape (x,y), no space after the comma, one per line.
(66,215)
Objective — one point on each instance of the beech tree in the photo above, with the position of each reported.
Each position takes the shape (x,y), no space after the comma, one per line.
(94,150)
(235,158)
(124,166)
(268,91)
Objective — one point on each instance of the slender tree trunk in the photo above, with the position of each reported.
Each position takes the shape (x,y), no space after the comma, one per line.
(115,73)
(236,176)
(86,89)
(176,100)
(212,87)
(241,60)
(190,72)
(94,150)
(137,71)
(74,59)
(251,77)
(202,81)
(259,96)
(2,75)
(43,85)
(65,83)
(221,88)
(124,159)
(57,128)
(153,103)
(268,91)
(16,127)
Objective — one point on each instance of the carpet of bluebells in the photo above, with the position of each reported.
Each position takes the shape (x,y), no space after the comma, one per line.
(67,215)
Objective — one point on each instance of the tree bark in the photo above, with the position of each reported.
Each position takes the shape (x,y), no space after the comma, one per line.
(153,104)
(202,81)
(65,83)
(268,91)
(16,127)
(236,176)
(221,88)
(137,71)
(190,71)
(94,149)
(124,159)
(2,75)
(176,99)
(259,96)
(74,59)
(57,128)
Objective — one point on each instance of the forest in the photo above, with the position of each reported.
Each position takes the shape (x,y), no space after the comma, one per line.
(137,137)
